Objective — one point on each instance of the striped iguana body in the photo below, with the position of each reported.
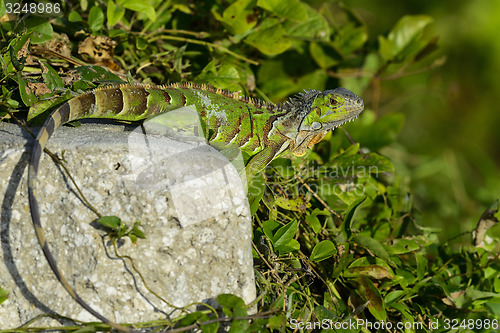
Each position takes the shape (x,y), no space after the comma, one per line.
(262,130)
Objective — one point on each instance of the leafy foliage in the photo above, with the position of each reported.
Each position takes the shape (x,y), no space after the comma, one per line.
(337,236)
(119,229)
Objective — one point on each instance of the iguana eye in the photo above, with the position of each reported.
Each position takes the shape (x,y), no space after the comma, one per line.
(316,125)
(333,102)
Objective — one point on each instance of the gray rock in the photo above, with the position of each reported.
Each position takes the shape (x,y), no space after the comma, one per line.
(197,225)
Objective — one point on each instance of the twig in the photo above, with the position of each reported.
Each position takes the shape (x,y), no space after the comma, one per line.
(319,199)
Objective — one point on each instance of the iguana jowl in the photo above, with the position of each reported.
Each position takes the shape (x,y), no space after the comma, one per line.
(262,130)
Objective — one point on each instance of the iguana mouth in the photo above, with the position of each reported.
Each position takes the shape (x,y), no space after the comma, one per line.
(307,138)
(332,126)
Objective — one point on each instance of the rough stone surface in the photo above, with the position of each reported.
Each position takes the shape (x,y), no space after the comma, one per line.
(185,258)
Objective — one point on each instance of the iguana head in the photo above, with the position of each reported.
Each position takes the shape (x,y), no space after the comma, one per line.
(328,110)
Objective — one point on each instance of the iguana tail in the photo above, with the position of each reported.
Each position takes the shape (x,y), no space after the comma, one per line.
(85,105)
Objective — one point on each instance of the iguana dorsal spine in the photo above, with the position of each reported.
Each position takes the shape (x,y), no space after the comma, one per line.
(263,130)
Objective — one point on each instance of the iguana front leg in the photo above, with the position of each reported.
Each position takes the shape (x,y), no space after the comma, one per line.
(259,161)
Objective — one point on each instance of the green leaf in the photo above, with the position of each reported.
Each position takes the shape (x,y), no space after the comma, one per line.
(51,78)
(292,246)
(230,301)
(97,73)
(374,246)
(393,296)
(285,233)
(84,4)
(133,238)
(234,306)
(239,326)
(294,204)
(283,239)
(350,37)
(114,13)
(10,58)
(404,310)
(3,295)
(240,16)
(348,219)
(314,222)
(400,246)
(386,48)
(269,38)
(278,321)
(39,111)
(370,266)
(18,65)
(121,231)
(259,325)
(475,294)
(405,278)
(421,265)
(208,328)
(371,293)
(140,7)
(224,76)
(324,54)
(136,231)
(112,222)
(74,16)
(189,319)
(96,18)
(323,250)
(322,313)
(42,33)
(3,11)
(494,306)
(82,85)
(403,36)
(350,164)
(141,43)
(28,97)
(227,75)
(290,9)
(373,271)
(11,103)
(315,27)
(269,227)
(255,192)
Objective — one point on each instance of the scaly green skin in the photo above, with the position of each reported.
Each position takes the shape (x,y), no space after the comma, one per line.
(262,130)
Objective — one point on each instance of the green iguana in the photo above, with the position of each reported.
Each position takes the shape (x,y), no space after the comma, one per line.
(262,130)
